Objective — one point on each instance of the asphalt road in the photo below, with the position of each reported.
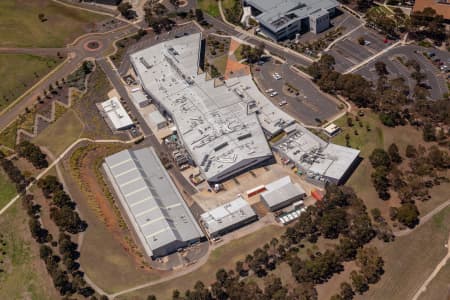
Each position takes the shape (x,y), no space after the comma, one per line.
(348,52)
(309,105)
(434,77)
(77,53)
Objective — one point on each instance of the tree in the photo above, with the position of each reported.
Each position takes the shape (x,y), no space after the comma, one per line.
(125,10)
(45,252)
(410,151)
(408,215)
(42,17)
(359,282)
(274,289)
(380,158)
(60,199)
(199,15)
(49,185)
(364,5)
(394,154)
(380,68)
(333,222)
(346,249)
(33,154)
(346,291)
(349,122)
(381,182)
(371,264)
(429,133)
(361,40)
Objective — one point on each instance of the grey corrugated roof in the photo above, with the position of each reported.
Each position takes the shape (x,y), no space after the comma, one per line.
(155,207)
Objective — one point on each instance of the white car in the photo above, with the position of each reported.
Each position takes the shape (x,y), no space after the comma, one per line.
(273,94)
(269,91)
(282,103)
(276,76)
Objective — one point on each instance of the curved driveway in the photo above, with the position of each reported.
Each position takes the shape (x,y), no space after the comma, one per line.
(76,54)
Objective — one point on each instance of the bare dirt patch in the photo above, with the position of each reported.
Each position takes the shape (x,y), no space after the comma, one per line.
(108,254)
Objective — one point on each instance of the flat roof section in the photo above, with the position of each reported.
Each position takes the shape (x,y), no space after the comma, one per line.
(316,156)
(115,112)
(155,207)
(280,191)
(218,128)
(228,215)
(281,13)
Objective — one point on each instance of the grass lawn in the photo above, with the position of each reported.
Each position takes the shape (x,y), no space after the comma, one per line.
(25,276)
(228,3)
(409,260)
(20,71)
(59,135)
(381,136)
(222,257)
(438,289)
(220,63)
(7,189)
(237,53)
(21,27)
(365,141)
(210,7)
(9,134)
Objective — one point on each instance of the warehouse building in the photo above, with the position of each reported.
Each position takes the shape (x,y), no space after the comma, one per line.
(217,124)
(281,193)
(159,216)
(322,162)
(283,19)
(228,217)
(115,115)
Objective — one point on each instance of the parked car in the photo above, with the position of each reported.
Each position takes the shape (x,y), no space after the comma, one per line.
(269,90)
(273,94)
(282,103)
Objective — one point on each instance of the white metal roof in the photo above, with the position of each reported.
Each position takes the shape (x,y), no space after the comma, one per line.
(280,191)
(225,216)
(158,212)
(213,121)
(315,155)
(116,113)
(156,117)
(138,96)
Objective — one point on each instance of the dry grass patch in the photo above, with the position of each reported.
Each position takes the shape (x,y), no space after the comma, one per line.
(223,257)
(409,260)
(61,134)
